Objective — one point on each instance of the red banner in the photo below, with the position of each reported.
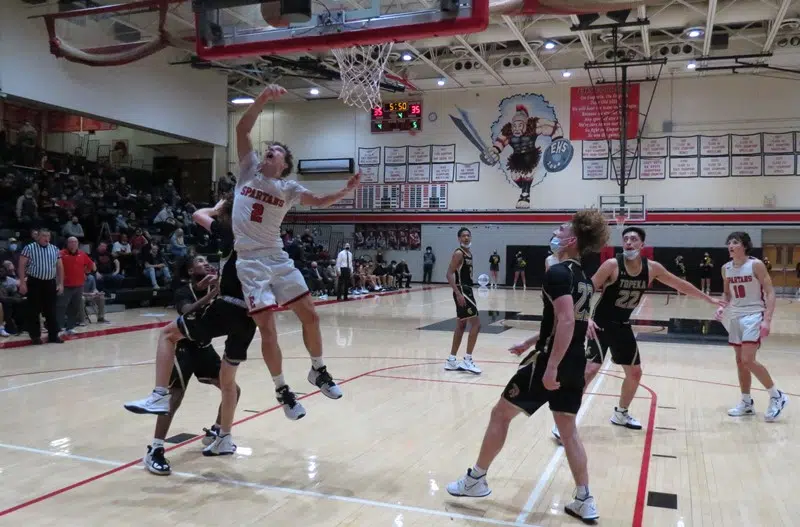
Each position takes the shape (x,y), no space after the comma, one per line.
(17,115)
(595,112)
(63,122)
(92,125)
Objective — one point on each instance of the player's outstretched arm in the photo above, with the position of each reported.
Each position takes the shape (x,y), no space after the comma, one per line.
(525,345)
(243,143)
(604,274)
(312,200)
(660,273)
(761,272)
(205,217)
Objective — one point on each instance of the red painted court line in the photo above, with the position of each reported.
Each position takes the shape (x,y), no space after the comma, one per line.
(130,464)
(90,334)
(155,325)
(641,491)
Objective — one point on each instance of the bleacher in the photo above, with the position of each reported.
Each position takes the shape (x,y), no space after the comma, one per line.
(96,192)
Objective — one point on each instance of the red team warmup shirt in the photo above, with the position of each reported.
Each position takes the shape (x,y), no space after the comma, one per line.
(75,267)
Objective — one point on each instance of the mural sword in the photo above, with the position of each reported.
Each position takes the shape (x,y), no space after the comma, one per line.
(526,143)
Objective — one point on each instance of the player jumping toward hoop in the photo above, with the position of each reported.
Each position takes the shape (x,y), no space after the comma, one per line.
(748,288)
(623,281)
(269,278)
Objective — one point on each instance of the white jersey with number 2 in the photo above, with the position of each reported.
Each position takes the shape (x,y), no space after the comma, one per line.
(746,293)
(259,207)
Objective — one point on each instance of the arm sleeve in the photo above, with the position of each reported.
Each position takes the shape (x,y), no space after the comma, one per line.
(558,282)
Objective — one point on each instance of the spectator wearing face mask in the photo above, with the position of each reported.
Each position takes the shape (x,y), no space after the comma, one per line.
(73,228)
(706,270)
(27,208)
(428,259)
(11,302)
(11,252)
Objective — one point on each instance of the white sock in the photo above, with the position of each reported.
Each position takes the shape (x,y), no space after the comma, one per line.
(468,356)
(161,390)
(452,357)
(582,492)
(317,362)
(746,398)
(279,382)
(476,472)
(621,410)
(773,392)
(158,443)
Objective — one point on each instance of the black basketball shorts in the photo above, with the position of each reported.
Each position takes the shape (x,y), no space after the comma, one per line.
(217,319)
(620,339)
(470,307)
(199,360)
(526,390)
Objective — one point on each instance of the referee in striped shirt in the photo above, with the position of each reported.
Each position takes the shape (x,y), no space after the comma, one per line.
(41,279)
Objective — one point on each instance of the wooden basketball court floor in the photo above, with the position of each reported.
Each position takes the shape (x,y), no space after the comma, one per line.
(383,454)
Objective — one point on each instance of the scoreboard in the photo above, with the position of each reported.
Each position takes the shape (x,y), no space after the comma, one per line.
(397,116)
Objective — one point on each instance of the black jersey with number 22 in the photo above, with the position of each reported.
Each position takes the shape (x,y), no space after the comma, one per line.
(620,299)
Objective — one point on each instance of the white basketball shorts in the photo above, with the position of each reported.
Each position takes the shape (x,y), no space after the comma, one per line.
(745,329)
(269,278)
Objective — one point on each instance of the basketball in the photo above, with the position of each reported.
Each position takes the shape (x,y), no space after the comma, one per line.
(271,12)
(483,280)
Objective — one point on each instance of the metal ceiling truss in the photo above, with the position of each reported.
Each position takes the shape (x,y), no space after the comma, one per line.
(527,47)
(517,36)
(481,60)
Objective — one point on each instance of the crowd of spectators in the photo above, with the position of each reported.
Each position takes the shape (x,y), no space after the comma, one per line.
(135,234)
(318,266)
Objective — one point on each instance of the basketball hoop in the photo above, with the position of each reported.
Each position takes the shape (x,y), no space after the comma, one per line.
(361,69)
(620,221)
(150,13)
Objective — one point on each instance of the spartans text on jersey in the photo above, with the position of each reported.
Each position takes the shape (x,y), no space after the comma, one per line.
(260,195)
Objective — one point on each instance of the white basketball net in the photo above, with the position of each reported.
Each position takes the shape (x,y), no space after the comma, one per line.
(361,68)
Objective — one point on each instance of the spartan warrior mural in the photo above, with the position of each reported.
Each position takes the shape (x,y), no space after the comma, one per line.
(527,142)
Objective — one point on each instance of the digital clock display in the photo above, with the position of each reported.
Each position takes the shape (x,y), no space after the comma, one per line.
(397,116)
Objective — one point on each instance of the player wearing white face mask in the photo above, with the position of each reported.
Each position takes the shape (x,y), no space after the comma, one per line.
(623,281)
